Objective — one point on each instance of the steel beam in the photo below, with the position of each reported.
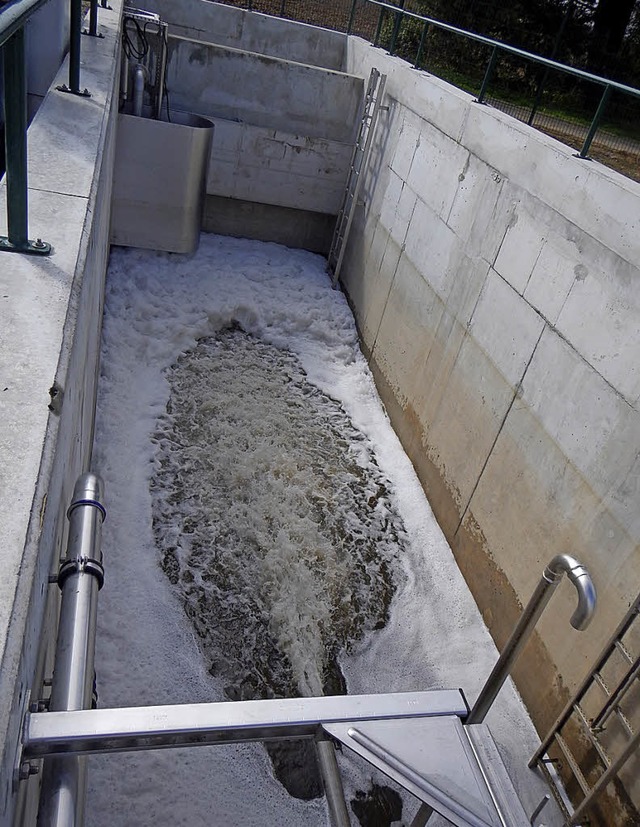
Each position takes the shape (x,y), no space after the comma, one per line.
(156,727)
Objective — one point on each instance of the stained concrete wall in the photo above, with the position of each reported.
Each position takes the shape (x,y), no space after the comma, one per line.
(282,141)
(252,32)
(50,337)
(494,278)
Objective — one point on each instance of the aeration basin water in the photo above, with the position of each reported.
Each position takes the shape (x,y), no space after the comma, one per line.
(266,537)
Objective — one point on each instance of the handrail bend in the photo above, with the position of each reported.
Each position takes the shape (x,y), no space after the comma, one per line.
(552,575)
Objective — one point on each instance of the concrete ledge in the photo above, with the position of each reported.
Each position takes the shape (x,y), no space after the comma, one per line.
(222,82)
(252,31)
(266,222)
(52,309)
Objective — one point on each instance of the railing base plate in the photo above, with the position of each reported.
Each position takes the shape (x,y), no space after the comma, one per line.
(30,248)
(81,93)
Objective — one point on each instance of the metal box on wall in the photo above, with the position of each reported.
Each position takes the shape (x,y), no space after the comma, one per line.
(159,181)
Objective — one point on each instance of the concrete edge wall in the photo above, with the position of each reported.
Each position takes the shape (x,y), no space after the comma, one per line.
(495,282)
(282,140)
(223,82)
(252,31)
(51,338)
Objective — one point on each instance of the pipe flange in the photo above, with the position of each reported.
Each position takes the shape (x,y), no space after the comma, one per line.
(83,565)
(92,503)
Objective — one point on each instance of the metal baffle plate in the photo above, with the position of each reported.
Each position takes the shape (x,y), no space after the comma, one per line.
(430,757)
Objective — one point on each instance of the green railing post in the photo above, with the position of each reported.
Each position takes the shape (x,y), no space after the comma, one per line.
(15,135)
(352,16)
(75,36)
(397,23)
(283,6)
(423,38)
(381,16)
(92,31)
(595,123)
(488,74)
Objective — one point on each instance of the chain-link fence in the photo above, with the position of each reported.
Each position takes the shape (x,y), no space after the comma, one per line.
(558,103)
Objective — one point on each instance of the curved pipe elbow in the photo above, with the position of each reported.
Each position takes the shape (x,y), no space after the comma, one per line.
(581,579)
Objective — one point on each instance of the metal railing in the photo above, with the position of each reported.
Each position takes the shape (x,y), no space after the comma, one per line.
(425,43)
(13,18)
(551,577)
(497,48)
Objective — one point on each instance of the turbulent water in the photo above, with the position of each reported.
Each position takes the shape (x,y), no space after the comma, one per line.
(274,523)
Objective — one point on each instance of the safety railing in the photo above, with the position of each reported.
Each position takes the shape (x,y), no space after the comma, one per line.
(420,40)
(13,18)
(400,14)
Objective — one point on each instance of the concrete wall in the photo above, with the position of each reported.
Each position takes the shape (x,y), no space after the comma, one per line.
(282,141)
(495,282)
(50,337)
(252,32)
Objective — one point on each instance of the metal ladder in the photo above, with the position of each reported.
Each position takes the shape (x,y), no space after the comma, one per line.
(601,712)
(361,151)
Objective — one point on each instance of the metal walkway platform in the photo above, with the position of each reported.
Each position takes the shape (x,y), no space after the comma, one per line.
(428,742)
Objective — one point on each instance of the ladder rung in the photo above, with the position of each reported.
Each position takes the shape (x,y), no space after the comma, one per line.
(577,772)
(625,722)
(591,736)
(623,651)
(597,677)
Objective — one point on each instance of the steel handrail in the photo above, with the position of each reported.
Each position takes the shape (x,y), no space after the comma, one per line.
(514,50)
(13,18)
(580,619)
(14,15)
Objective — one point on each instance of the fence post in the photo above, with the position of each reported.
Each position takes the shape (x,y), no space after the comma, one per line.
(75,11)
(352,15)
(93,20)
(423,37)
(15,115)
(595,123)
(379,26)
(488,74)
(283,7)
(397,23)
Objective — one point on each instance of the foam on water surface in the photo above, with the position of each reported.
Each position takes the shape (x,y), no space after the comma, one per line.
(199,470)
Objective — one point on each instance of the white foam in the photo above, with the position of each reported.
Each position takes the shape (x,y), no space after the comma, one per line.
(158,305)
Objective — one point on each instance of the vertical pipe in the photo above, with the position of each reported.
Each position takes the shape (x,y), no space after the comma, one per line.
(488,74)
(283,6)
(80,577)
(74,45)
(595,123)
(338,813)
(15,136)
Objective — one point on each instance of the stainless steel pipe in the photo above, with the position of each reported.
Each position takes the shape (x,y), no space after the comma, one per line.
(80,577)
(552,575)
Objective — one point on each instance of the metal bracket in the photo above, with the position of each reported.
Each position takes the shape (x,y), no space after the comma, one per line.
(30,248)
(84,565)
(21,767)
(88,34)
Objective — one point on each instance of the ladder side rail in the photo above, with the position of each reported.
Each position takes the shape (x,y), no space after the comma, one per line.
(367,152)
(605,779)
(357,147)
(617,696)
(566,713)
